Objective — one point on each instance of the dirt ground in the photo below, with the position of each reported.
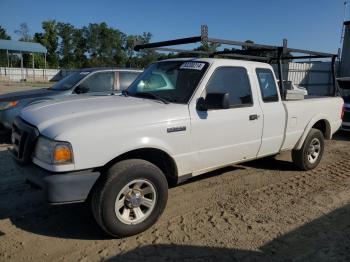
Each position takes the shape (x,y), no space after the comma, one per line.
(264,210)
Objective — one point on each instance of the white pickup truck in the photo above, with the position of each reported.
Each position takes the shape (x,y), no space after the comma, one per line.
(179,119)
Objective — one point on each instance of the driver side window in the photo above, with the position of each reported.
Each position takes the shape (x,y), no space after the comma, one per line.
(99,82)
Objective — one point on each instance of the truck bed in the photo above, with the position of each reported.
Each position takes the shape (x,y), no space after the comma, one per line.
(302,113)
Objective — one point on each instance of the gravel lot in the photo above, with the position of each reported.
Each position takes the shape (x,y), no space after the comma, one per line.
(264,210)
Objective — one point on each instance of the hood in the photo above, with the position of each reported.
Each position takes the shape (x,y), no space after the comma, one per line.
(26,94)
(61,116)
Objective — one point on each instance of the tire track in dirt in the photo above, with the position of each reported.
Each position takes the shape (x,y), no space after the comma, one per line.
(253,218)
(244,208)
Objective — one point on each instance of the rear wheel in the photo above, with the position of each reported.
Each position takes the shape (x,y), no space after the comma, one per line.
(310,154)
(130,198)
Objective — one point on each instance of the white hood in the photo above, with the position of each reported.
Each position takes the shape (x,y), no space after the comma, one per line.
(95,112)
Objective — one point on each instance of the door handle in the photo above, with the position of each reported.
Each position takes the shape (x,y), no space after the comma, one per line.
(253,117)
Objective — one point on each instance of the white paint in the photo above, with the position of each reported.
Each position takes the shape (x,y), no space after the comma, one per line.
(102,128)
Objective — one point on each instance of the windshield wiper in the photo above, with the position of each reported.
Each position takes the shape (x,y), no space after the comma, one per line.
(150,95)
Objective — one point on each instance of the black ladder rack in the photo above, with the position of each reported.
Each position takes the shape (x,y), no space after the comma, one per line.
(249,51)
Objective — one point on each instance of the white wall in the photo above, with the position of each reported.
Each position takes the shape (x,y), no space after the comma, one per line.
(29,74)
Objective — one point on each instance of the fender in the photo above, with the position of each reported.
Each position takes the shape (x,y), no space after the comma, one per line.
(311,123)
(143,143)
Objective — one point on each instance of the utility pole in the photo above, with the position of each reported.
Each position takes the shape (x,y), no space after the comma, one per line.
(344,18)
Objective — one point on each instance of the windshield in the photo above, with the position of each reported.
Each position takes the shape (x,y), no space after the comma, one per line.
(172,81)
(69,81)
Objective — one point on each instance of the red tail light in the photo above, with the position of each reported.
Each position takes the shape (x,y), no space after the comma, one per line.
(342,113)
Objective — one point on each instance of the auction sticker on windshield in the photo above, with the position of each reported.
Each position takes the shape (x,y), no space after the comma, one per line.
(192,65)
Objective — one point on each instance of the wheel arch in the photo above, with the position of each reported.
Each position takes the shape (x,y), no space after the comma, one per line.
(319,122)
(156,156)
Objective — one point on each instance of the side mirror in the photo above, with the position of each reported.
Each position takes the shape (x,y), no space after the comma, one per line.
(214,101)
(81,89)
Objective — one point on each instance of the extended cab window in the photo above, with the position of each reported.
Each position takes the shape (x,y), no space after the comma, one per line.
(99,82)
(267,85)
(235,82)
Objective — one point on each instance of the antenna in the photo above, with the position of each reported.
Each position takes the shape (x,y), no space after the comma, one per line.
(344,18)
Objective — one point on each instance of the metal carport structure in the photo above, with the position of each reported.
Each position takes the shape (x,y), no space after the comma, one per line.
(22,47)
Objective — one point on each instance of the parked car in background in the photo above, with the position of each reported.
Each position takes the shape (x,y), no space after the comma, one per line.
(85,81)
(344,84)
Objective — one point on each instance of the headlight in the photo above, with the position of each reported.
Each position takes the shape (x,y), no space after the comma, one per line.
(7,104)
(53,152)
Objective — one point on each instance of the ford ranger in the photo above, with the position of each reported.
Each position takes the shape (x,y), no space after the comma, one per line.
(179,119)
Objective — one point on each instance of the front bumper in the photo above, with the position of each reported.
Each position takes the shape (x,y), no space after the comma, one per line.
(62,188)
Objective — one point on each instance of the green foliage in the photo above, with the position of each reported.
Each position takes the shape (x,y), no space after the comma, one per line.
(65,32)
(105,45)
(95,45)
(49,39)
(3,34)
(3,55)
(79,48)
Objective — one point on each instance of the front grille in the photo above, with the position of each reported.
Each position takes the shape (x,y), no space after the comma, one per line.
(23,138)
(346,117)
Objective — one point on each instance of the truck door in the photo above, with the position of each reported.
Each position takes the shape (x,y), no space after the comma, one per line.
(225,136)
(274,113)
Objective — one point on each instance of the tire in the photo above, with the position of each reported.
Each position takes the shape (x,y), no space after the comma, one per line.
(122,183)
(308,157)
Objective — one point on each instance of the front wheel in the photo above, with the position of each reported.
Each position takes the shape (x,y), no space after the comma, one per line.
(310,154)
(130,198)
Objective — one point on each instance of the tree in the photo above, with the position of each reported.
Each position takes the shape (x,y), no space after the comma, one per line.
(105,45)
(266,53)
(23,32)
(3,55)
(129,49)
(208,47)
(66,47)
(3,34)
(94,45)
(146,56)
(49,39)
(80,48)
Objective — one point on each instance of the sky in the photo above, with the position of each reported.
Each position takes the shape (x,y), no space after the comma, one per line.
(307,24)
